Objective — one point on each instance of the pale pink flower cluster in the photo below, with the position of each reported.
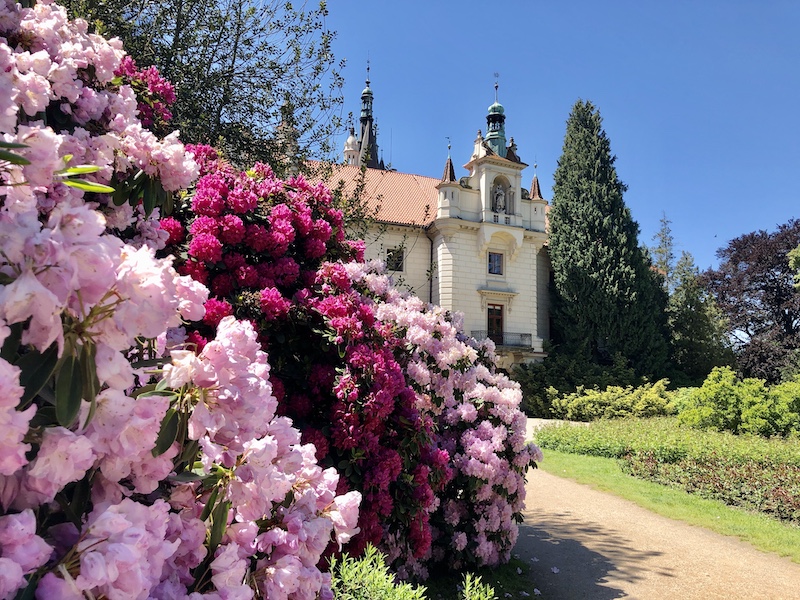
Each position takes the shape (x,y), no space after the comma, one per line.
(480,425)
(47,69)
(69,279)
(235,423)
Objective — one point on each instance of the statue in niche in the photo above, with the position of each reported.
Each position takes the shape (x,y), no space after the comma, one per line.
(499,202)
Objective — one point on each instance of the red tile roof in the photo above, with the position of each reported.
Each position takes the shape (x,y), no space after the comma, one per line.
(392,197)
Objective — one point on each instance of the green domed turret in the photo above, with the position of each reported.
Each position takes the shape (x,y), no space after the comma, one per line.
(495,127)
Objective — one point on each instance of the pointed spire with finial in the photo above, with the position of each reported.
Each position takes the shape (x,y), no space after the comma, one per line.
(536,192)
(449,175)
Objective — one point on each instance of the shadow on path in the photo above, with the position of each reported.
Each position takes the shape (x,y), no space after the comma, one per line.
(584,553)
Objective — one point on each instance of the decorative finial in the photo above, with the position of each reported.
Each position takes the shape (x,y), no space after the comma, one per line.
(496,84)
(447,137)
(367,72)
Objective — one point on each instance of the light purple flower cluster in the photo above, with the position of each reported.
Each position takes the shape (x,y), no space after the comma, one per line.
(479,424)
(120,476)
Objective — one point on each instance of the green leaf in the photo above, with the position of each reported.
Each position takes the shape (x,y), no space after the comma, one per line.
(88,186)
(69,389)
(219,521)
(187,477)
(80,170)
(12,145)
(149,197)
(14,159)
(212,499)
(36,371)
(10,348)
(167,433)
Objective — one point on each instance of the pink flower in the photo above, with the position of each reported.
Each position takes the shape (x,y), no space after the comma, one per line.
(20,542)
(206,247)
(63,457)
(273,304)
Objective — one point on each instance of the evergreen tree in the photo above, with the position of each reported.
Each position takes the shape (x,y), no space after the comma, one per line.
(664,253)
(608,299)
(698,330)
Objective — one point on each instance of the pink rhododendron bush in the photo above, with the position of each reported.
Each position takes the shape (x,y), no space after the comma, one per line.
(133,462)
(410,411)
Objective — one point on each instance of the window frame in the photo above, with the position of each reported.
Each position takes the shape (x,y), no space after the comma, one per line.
(391,259)
(501,268)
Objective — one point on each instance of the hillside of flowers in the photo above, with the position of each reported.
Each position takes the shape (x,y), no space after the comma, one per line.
(205,390)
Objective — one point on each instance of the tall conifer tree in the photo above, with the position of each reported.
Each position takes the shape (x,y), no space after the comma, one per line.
(608,299)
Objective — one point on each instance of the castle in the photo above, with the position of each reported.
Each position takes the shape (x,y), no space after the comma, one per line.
(474,244)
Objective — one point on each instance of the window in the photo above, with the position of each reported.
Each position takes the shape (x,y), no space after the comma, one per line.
(495,263)
(495,323)
(394,259)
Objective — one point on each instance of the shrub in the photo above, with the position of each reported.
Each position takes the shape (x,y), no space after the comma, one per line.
(726,403)
(566,374)
(368,578)
(648,400)
(130,465)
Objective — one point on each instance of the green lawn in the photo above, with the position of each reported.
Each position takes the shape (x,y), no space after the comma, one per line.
(604,474)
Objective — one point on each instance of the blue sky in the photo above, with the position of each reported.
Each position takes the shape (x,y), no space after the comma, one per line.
(700,99)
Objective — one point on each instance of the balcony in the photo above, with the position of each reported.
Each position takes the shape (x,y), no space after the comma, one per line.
(512,340)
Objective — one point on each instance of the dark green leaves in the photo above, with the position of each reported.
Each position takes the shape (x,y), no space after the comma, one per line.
(69,390)
(140,186)
(12,157)
(168,432)
(37,368)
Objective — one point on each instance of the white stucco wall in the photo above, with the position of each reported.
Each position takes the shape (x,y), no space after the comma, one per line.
(416,265)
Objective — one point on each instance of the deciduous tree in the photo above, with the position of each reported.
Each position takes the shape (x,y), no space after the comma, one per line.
(754,288)
(257,79)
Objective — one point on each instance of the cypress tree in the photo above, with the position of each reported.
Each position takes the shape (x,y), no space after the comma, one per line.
(608,300)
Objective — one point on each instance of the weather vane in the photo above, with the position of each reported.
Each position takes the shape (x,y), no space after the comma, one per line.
(496,84)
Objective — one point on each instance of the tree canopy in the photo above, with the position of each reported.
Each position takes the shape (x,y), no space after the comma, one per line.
(608,299)
(753,287)
(698,331)
(256,79)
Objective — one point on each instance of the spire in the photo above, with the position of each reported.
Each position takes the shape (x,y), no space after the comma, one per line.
(536,192)
(495,125)
(369,131)
(449,175)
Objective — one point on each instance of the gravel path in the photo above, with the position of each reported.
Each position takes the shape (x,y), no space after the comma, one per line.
(603,547)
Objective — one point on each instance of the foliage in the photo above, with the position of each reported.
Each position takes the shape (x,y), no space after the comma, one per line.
(408,410)
(566,373)
(648,400)
(130,465)
(750,472)
(664,253)
(607,299)
(257,79)
(726,403)
(698,331)
(666,439)
(368,578)
(768,488)
(753,288)
(263,246)
(475,589)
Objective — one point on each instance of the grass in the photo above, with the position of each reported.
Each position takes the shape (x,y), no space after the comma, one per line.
(605,474)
